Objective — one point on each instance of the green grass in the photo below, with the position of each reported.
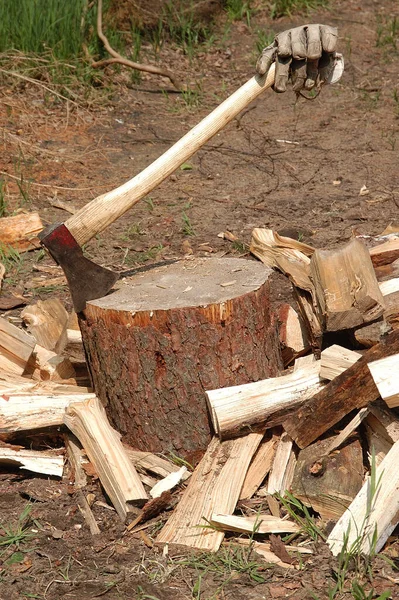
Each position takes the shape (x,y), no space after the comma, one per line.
(239,10)
(16,534)
(387,33)
(301,515)
(187,228)
(182,27)
(284,8)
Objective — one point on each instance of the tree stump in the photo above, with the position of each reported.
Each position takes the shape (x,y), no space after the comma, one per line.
(167,334)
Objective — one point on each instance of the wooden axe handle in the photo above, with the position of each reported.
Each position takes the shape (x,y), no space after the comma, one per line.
(105,209)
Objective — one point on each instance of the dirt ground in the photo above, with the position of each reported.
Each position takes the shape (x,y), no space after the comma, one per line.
(297,166)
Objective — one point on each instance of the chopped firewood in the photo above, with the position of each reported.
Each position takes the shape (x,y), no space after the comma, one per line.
(385,374)
(87,513)
(328,483)
(390,291)
(385,253)
(20,231)
(373,514)
(387,271)
(151,509)
(347,431)
(34,411)
(16,347)
(213,487)
(282,471)
(46,365)
(46,321)
(264,549)
(387,418)
(153,463)
(236,409)
(255,524)
(87,420)
(294,339)
(44,462)
(370,335)
(310,319)
(354,388)
(259,467)
(382,430)
(74,454)
(12,300)
(346,287)
(168,482)
(335,359)
(279,548)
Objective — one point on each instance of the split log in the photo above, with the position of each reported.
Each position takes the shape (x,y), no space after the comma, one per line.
(46,321)
(46,365)
(354,388)
(390,291)
(328,483)
(346,287)
(347,431)
(372,334)
(257,524)
(16,347)
(87,513)
(282,471)
(260,466)
(263,403)
(46,463)
(385,374)
(20,231)
(102,444)
(153,463)
(335,359)
(382,430)
(214,487)
(170,332)
(168,483)
(373,514)
(385,253)
(294,339)
(74,453)
(386,272)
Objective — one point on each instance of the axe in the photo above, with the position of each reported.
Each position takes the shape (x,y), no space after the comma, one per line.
(87,280)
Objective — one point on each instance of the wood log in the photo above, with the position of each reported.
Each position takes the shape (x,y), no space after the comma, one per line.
(347,431)
(382,430)
(263,403)
(46,321)
(373,514)
(346,287)
(282,471)
(170,332)
(335,359)
(153,463)
(260,524)
(46,365)
(328,483)
(294,338)
(44,462)
(385,253)
(213,487)
(16,347)
(370,335)
(75,458)
(102,444)
(354,388)
(260,466)
(390,291)
(385,374)
(20,231)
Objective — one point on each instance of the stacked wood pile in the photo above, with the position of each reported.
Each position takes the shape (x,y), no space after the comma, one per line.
(302,434)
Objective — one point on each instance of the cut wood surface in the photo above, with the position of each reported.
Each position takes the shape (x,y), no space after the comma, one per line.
(294,338)
(20,231)
(260,466)
(328,483)
(256,524)
(214,487)
(335,359)
(283,467)
(385,253)
(385,373)
(347,430)
(153,463)
(238,408)
(354,388)
(46,321)
(102,444)
(16,347)
(46,365)
(346,287)
(46,463)
(170,332)
(371,526)
(168,482)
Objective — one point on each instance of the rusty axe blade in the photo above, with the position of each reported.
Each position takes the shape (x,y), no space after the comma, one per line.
(88,281)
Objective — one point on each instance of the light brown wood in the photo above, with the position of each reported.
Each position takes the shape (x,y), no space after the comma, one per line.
(87,513)
(46,321)
(102,444)
(153,463)
(16,347)
(20,231)
(335,359)
(213,487)
(385,374)
(346,287)
(238,408)
(371,514)
(282,471)
(75,458)
(43,462)
(46,365)
(260,466)
(385,253)
(370,335)
(294,338)
(382,430)
(260,524)
(347,430)
(264,550)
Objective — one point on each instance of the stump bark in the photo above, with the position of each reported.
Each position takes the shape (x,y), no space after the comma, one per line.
(166,335)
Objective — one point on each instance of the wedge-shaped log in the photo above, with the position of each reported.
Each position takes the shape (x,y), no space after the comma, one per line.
(354,388)
(282,471)
(47,322)
(373,514)
(237,409)
(346,287)
(16,347)
(255,524)
(294,338)
(260,466)
(385,374)
(213,487)
(88,422)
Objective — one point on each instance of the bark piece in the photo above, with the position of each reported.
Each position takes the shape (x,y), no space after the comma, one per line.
(213,487)
(283,467)
(46,463)
(385,253)
(257,524)
(328,483)
(170,332)
(259,467)
(335,359)
(16,347)
(102,444)
(20,231)
(46,321)
(346,287)
(294,339)
(236,409)
(354,388)
(385,374)
(373,514)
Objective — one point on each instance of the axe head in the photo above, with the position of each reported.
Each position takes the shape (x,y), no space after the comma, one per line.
(86,280)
